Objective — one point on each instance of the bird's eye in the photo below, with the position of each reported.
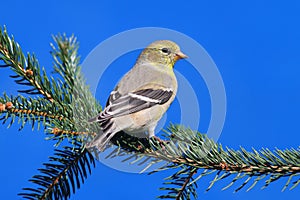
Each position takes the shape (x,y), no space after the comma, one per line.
(165,50)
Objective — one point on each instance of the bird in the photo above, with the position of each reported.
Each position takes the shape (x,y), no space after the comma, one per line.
(142,95)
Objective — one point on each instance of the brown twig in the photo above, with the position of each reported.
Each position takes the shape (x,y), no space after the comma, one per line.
(148,151)
(56,180)
(192,172)
(6,106)
(27,74)
(225,167)
(57,131)
(38,113)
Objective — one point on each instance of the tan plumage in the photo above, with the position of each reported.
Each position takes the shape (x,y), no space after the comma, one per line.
(142,96)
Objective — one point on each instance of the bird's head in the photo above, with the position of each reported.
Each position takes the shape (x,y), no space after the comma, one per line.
(162,52)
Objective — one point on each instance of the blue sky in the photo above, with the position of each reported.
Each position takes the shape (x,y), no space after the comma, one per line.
(254,44)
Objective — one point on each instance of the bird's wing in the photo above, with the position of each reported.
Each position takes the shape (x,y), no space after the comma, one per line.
(132,102)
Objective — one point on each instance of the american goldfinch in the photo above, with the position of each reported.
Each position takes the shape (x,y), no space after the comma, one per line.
(142,96)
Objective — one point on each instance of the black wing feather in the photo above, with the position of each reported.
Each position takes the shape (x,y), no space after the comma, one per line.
(120,105)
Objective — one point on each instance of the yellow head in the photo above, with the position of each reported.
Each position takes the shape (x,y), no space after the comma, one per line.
(162,52)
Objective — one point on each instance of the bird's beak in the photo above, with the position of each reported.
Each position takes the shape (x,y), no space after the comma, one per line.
(179,55)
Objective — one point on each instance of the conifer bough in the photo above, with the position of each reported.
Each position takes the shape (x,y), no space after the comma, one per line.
(63,104)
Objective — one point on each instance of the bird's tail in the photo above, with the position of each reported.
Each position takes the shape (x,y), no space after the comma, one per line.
(108,130)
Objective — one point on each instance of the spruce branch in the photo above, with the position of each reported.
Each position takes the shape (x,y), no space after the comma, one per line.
(189,151)
(81,103)
(182,178)
(68,92)
(63,104)
(65,171)
(34,110)
(66,60)
(181,194)
(26,67)
(64,108)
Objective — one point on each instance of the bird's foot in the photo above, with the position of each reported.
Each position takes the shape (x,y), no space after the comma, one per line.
(161,142)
